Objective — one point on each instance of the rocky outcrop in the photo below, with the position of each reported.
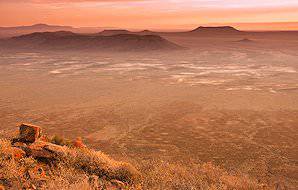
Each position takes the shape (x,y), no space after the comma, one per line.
(30,142)
(41,149)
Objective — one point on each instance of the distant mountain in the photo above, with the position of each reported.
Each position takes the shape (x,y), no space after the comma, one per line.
(114,32)
(37,27)
(20,30)
(64,40)
(200,31)
(119,31)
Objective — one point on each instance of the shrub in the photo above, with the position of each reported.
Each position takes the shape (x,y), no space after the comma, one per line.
(58,140)
(97,163)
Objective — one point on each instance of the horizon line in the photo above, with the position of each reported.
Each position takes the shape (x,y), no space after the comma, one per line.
(182,28)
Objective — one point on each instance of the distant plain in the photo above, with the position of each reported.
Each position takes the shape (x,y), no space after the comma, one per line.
(230,101)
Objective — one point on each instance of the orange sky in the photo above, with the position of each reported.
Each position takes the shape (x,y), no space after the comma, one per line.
(150,14)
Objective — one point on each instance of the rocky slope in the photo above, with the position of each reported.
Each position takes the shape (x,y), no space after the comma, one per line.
(34,161)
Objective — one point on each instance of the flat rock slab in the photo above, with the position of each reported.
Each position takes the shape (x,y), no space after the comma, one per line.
(41,149)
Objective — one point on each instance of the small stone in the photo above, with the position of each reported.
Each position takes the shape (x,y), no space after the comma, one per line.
(118,184)
(18,153)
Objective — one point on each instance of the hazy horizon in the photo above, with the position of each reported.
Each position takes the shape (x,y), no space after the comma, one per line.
(153,14)
(262,26)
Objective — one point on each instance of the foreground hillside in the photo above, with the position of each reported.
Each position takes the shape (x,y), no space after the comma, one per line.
(32,161)
(36,161)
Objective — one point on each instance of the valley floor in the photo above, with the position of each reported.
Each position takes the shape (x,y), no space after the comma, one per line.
(235,106)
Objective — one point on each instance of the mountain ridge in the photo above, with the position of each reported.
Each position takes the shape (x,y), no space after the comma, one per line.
(65,40)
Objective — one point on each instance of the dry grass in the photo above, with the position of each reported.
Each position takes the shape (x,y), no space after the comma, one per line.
(99,164)
(163,175)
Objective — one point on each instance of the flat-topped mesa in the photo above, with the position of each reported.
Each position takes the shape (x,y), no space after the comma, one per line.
(217,29)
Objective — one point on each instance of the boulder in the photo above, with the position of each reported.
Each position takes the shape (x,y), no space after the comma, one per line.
(28,133)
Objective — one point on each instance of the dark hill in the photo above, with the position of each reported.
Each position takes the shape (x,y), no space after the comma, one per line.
(42,36)
(71,41)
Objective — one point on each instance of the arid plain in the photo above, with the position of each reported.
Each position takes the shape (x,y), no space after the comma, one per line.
(232,101)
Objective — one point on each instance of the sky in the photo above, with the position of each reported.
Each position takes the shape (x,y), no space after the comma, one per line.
(149,14)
